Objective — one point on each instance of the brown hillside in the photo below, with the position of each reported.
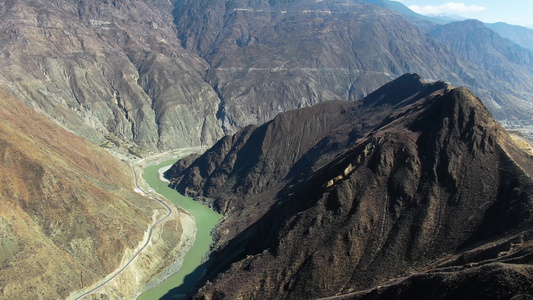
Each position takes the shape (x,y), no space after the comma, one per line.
(67,208)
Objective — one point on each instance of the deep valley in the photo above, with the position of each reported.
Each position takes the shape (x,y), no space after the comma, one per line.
(348,149)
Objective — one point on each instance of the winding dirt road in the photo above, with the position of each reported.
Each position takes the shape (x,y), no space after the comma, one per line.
(162,156)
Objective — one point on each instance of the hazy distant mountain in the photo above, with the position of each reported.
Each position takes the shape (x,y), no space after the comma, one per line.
(414,191)
(504,59)
(270,56)
(523,36)
(412,16)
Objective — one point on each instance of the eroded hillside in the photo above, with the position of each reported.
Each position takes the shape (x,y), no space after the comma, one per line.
(168,74)
(268,57)
(108,69)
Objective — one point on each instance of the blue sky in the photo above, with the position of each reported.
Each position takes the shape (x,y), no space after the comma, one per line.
(517,12)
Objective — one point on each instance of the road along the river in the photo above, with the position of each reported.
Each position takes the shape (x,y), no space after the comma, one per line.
(162,156)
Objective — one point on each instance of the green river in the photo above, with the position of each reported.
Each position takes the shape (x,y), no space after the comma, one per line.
(206,220)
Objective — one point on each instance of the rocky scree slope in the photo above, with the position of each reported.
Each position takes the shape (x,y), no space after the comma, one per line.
(415,187)
(68,212)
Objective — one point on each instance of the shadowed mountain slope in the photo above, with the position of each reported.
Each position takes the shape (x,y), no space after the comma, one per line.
(417,178)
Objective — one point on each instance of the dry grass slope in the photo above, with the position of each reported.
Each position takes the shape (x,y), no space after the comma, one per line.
(67,209)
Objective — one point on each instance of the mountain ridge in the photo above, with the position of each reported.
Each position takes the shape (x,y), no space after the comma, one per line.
(335,60)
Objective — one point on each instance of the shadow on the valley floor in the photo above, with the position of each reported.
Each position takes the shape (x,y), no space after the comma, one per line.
(257,238)
(191,283)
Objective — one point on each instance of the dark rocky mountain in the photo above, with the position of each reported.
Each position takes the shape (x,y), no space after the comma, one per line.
(414,189)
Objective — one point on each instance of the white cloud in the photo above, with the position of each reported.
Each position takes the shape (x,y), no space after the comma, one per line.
(448,8)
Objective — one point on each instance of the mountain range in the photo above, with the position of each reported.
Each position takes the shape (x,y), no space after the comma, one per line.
(305,51)
(520,35)
(134,70)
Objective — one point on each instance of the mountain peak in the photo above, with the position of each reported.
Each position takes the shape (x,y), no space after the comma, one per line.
(473,22)
(404,88)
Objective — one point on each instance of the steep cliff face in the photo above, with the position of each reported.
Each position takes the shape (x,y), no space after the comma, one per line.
(108,68)
(68,211)
(416,179)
